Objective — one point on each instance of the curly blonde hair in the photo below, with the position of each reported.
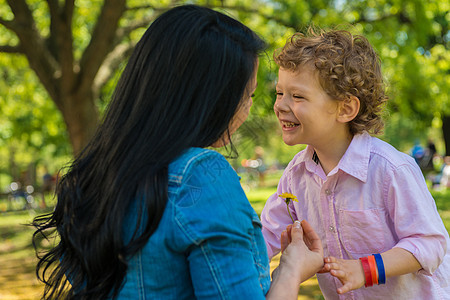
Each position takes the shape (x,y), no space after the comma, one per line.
(347,65)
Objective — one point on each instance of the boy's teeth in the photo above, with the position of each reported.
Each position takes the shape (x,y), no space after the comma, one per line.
(289,124)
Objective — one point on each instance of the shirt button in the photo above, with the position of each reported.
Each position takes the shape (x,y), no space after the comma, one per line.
(331,228)
(327,192)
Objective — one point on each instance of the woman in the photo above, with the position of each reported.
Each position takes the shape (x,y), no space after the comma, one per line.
(145,211)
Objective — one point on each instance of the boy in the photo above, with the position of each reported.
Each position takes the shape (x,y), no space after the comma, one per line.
(361,195)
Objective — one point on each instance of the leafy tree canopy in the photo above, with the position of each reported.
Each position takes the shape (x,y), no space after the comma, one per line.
(60,61)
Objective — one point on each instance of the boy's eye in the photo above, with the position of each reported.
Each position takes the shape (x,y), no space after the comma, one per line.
(279,94)
(298,97)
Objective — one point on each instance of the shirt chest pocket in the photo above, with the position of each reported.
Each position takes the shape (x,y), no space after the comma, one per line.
(365,231)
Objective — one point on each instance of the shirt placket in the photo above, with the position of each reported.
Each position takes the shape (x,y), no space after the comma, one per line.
(327,193)
(328,206)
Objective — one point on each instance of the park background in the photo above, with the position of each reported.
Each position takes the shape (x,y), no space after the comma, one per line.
(60,60)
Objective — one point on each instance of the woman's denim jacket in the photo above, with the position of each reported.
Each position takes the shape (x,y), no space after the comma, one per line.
(208,244)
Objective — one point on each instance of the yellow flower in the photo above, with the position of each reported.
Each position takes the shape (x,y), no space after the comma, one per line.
(287,198)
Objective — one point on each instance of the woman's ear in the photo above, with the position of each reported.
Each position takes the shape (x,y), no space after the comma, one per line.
(348,109)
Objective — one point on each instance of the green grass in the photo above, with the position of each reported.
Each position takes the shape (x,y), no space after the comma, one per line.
(258,197)
(442,199)
(17,258)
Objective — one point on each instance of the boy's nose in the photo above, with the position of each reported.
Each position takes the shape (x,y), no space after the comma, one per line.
(281,105)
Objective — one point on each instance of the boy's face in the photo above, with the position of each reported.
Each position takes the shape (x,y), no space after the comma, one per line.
(306,113)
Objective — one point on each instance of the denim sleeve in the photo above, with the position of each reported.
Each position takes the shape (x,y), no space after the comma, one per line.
(223,241)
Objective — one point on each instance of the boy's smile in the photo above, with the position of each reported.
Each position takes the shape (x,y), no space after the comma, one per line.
(288,125)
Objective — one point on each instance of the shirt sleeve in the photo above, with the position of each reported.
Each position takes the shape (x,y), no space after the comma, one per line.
(275,217)
(415,217)
(221,233)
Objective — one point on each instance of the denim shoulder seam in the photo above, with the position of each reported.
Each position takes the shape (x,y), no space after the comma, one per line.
(177,176)
(195,158)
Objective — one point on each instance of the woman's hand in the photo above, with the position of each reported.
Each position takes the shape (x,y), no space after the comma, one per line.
(301,244)
(302,257)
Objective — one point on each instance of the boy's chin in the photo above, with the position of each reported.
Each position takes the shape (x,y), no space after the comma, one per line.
(290,142)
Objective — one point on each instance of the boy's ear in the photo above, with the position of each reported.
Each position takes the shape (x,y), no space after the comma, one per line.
(348,109)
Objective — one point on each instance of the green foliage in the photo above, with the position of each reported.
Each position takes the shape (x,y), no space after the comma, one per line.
(411,37)
(31,128)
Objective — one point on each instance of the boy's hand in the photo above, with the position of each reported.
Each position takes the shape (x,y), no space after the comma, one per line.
(349,271)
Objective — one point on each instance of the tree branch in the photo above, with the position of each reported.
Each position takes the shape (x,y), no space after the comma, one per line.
(363,19)
(53,8)
(11,49)
(401,16)
(39,58)
(148,6)
(255,11)
(68,9)
(8,24)
(110,65)
(60,41)
(102,40)
(66,46)
(241,8)
(133,25)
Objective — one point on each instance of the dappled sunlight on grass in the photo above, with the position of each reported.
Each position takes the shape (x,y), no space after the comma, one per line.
(17,258)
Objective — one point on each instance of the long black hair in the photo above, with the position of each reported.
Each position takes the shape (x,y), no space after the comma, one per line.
(180,89)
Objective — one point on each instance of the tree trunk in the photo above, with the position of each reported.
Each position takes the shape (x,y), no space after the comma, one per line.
(446,133)
(81,117)
(68,81)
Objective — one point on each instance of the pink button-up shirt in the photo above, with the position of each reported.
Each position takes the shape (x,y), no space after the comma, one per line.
(375,199)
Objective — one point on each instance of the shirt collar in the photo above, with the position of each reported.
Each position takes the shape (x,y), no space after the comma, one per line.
(307,157)
(355,161)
